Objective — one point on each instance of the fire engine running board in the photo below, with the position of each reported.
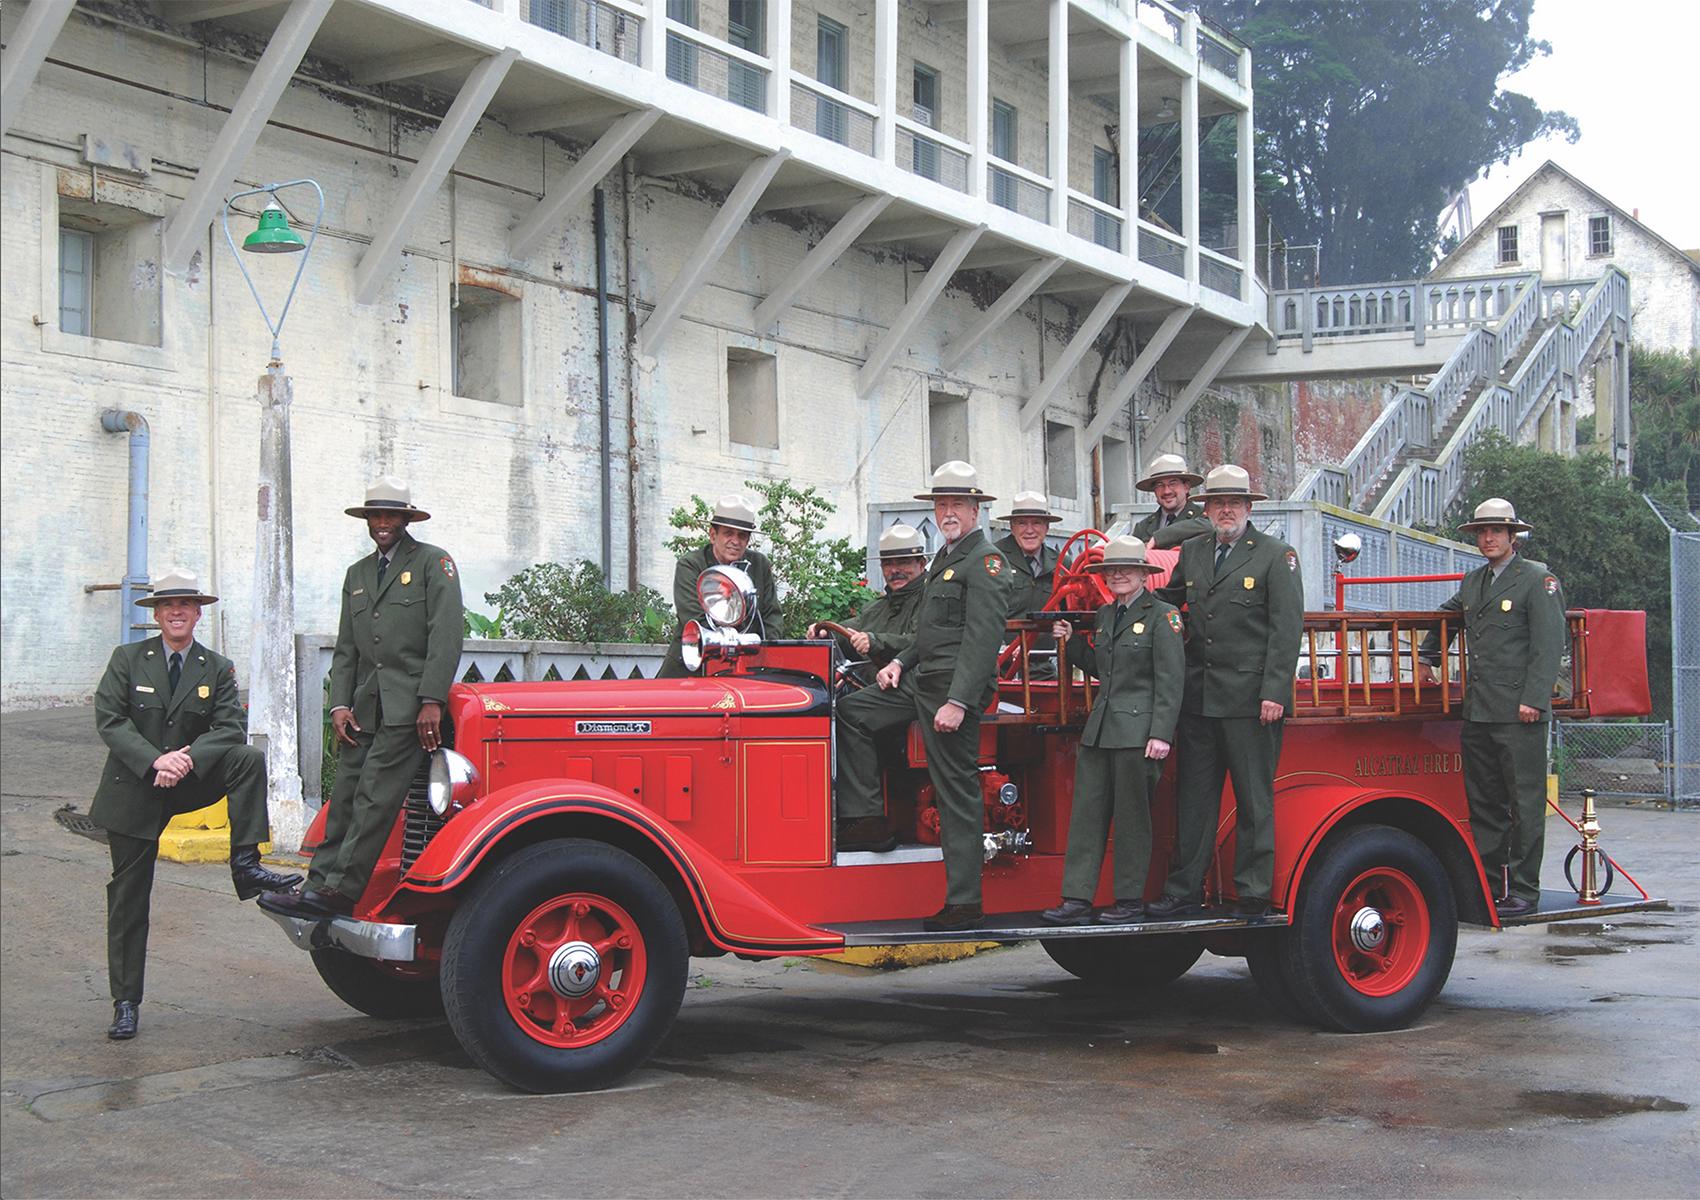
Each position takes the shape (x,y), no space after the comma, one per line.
(1555,905)
(381,940)
(1026,926)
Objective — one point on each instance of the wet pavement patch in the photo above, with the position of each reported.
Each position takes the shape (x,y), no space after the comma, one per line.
(1595,1106)
(118,1095)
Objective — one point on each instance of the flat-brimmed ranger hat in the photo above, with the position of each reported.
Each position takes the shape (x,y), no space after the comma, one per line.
(1496,511)
(1029,504)
(176,584)
(734,512)
(1228,480)
(389,494)
(955,478)
(1167,466)
(1124,552)
(902,541)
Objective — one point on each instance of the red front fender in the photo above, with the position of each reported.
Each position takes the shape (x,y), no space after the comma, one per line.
(734,916)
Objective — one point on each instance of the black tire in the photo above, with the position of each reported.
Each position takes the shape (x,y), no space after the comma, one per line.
(388,991)
(507,1020)
(1263,959)
(1148,961)
(1333,979)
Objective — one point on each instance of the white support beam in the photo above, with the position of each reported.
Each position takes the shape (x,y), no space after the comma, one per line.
(1074,352)
(1003,254)
(654,52)
(1057,141)
(388,68)
(1143,364)
(575,183)
(25,53)
(921,302)
(569,115)
(1127,144)
(696,158)
(709,250)
(907,230)
(1189,156)
(1165,428)
(187,226)
(979,93)
(1014,296)
(1246,202)
(816,261)
(193,12)
(429,172)
(808,195)
(885,80)
(779,55)
(1039,48)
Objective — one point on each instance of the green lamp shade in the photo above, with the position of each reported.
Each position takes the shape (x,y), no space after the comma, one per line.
(273,235)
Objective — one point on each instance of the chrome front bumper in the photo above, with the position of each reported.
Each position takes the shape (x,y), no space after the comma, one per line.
(369,939)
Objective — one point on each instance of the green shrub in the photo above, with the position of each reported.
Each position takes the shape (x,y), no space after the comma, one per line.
(558,603)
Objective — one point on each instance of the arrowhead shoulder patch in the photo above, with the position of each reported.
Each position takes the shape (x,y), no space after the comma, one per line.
(448,565)
(1175,621)
(1551,585)
(1292,560)
(994,564)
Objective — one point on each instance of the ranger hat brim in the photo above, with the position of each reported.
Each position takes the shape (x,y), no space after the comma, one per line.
(1029,504)
(176,584)
(1228,482)
(955,479)
(1496,511)
(1124,551)
(389,495)
(1168,466)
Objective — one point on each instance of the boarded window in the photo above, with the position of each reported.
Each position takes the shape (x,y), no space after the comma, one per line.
(1599,235)
(109,276)
(1061,470)
(485,328)
(947,428)
(752,398)
(1507,244)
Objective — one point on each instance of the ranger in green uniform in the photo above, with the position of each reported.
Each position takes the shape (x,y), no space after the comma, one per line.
(887,624)
(944,680)
(1177,517)
(1245,620)
(1035,563)
(1514,626)
(397,649)
(1138,654)
(168,711)
(729,533)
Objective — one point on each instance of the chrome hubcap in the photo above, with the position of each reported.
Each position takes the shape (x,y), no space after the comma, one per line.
(574,969)
(1369,931)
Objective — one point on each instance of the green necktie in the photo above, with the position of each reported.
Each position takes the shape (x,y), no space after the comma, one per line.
(176,668)
(1222,549)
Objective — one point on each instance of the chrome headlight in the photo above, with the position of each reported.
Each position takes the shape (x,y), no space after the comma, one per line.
(452,781)
(690,645)
(727,596)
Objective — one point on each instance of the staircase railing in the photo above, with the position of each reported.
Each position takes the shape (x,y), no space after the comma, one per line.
(1423,491)
(1412,306)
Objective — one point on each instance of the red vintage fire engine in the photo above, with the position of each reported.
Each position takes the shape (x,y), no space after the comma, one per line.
(549,877)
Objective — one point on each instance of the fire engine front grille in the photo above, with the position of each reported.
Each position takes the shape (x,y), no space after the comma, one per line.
(421,823)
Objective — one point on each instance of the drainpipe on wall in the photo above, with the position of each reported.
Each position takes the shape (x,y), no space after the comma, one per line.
(132,621)
(599,213)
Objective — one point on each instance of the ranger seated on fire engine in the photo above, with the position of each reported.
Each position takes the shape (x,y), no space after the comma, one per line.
(1030,519)
(887,624)
(1514,628)
(944,680)
(729,532)
(1177,517)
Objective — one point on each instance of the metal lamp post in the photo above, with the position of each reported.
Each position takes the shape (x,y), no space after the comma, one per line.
(272,682)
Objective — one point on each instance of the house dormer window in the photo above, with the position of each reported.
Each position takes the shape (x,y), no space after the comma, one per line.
(1599,236)
(1507,245)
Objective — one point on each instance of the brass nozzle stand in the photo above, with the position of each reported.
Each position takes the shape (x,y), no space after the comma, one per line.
(1588,892)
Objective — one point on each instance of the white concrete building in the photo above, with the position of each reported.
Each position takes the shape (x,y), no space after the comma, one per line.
(842,240)
(1556,224)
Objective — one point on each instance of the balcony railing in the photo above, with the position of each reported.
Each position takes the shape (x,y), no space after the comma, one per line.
(1095,221)
(600,24)
(1011,187)
(931,155)
(1162,250)
(1154,14)
(828,113)
(1219,274)
(1218,56)
(699,61)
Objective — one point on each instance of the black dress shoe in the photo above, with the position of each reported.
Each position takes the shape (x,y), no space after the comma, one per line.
(251,877)
(1168,908)
(1123,912)
(1069,912)
(1514,906)
(308,903)
(1251,907)
(866,833)
(125,1014)
(954,917)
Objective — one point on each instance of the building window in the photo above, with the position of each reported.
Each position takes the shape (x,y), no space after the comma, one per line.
(681,52)
(1106,188)
(926,106)
(1117,468)
(746,28)
(1599,236)
(109,276)
(1507,245)
(1004,142)
(832,68)
(1060,472)
(752,398)
(947,428)
(485,333)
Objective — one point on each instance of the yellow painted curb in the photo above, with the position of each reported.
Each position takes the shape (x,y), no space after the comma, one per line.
(201,836)
(889,958)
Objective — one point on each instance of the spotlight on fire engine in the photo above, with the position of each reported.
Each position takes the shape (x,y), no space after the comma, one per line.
(1347,547)
(727,596)
(451,782)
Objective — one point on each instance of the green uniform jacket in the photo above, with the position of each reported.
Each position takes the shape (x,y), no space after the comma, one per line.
(1516,637)
(955,652)
(685,575)
(139,718)
(1143,671)
(1244,624)
(397,644)
(1028,592)
(890,621)
(1190,523)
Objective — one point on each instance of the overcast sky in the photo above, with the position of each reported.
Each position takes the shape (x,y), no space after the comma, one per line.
(1628,71)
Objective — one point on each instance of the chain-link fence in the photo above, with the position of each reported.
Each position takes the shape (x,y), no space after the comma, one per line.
(1613,758)
(1684,651)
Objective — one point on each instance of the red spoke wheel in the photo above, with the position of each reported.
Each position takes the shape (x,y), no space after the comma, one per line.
(1374,931)
(564,966)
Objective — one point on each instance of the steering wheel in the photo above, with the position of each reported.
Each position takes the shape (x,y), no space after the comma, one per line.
(847,671)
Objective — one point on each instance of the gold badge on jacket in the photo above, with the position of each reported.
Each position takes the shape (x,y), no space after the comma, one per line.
(949,573)
(1139,626)
(406,578)
(203,691)
(1505,605)
(1250,582)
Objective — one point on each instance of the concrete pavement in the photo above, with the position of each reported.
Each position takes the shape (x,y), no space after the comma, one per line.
(1558,1061)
